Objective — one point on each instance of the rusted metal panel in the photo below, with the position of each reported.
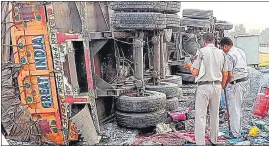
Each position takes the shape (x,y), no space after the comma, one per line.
(91,25)
(83,120)
(98,13)
(97,46)
(76,23)
(91,93)
(100,35)
(62,16)
(101,109)
(97,66)
(102,16)
(72,68)
(100,83)
(67,17)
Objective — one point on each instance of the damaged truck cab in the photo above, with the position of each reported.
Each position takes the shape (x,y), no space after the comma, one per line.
(79,60)
(48,64)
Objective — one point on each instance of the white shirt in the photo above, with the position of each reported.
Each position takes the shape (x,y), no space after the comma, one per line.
(215,61)
(237,63)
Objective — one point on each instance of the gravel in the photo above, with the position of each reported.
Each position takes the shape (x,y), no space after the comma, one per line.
(117,135)
(257,80)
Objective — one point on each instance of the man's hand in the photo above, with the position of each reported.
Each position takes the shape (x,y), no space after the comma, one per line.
(223,86)
(224,79)
(187,65)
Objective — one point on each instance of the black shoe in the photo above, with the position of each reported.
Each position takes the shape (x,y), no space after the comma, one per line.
(229,136)
(211,143)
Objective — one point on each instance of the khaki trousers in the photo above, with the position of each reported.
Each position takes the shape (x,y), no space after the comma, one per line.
(236,94)
(207,95)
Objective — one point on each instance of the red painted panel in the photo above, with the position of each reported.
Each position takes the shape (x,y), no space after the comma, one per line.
(71,99)
(97,67)
(88,68)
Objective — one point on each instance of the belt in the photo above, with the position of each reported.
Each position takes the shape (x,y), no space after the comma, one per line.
(239,80)
(208,82)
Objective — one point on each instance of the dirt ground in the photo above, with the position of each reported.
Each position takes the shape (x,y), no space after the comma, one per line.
(258,77)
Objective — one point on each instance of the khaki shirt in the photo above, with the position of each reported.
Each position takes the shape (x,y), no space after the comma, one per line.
(215,61)
(237,63)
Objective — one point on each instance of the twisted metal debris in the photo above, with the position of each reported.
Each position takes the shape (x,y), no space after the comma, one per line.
(15,117)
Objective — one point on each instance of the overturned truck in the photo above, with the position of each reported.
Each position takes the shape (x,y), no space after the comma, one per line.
(69,66)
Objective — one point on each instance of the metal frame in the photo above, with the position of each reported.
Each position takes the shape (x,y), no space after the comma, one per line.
(139,64)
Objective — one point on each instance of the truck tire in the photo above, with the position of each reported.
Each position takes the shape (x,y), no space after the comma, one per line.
(172,21)
(187,77)
(138,20)
(197,14)
(152,101)
(173,79)
(127,6)
(170,89)
(192,47)
(223,26)
(172,104)
(141,120)
(173,7)
(200,23)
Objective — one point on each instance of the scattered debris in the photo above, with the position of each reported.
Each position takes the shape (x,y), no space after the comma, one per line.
(260,124)
(163,128)
(189,125)
(173,138)
(254,131)
(146,143)
(191,114)
(180,126)
(243,143)
(118,135)
(235,140)
(178,116)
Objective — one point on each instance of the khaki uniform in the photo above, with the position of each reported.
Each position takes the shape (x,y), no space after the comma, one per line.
(237,64)
(208,91)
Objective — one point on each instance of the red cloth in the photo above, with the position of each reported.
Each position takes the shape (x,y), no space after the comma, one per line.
(173,138)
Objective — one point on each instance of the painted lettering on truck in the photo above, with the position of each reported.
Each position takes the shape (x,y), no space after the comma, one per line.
(45,91)
(40,53)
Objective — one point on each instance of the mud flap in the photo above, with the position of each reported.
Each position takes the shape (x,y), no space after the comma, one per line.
(83,121)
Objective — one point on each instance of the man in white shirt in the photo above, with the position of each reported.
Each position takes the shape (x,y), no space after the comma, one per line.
(210,69)
(237,82)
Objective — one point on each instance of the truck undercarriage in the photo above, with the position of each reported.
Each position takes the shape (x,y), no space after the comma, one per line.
(69,66)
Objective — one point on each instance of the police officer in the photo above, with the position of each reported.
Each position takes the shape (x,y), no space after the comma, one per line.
(210,83)
(237,81)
